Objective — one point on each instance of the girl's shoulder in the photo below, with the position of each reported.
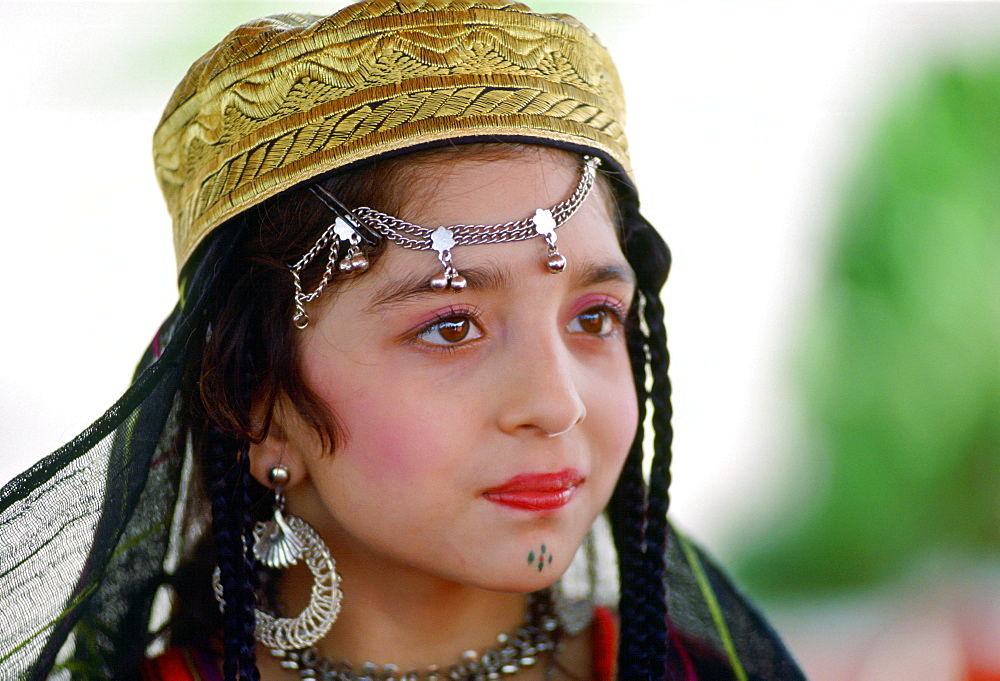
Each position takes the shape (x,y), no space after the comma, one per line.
(715,631)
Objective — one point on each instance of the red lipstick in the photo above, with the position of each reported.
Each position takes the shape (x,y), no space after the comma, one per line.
(537,491)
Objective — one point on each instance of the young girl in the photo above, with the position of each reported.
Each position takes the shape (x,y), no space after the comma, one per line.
(418,334)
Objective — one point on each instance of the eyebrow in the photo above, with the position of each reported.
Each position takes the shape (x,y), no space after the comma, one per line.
(493,278)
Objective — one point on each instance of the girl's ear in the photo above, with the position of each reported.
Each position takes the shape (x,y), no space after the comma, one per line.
(276,450)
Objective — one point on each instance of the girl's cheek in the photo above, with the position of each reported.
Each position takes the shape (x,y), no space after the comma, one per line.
(626,416)
(387,449)
(629,407)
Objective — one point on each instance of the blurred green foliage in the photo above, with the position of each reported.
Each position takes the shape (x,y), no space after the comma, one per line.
(901,367)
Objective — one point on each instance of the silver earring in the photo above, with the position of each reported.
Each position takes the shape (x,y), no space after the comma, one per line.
(275,544)
(280,543)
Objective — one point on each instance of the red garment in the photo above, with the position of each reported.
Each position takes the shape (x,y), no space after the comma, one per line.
(181,664)
(604,639)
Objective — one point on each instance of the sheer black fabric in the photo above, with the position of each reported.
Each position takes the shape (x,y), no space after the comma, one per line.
(84,532)
(742,638)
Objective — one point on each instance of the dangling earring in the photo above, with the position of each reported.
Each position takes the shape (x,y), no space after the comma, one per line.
(275,544)
(280,543)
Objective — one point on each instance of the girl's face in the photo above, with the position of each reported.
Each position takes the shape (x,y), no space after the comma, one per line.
(483,430)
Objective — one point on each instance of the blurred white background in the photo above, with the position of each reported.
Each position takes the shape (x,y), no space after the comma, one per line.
(744,118)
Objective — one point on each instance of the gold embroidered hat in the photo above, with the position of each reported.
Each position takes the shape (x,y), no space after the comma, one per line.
(286,98)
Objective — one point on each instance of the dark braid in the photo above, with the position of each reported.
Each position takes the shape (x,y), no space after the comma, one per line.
(246,616)
(226,470)
(659,480)
(626,513)
(231,518)
(232,524)
(638,513)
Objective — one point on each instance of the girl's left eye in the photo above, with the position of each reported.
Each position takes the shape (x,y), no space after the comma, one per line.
(597,321)
(451,331)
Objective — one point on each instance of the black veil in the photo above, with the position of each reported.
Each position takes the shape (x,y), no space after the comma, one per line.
(85,532)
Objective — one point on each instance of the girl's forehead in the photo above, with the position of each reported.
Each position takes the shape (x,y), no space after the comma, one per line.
(485,187)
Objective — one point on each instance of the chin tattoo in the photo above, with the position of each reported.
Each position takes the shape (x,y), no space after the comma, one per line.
(539,559)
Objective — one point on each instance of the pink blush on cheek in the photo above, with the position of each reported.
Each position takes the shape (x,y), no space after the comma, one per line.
(388,449)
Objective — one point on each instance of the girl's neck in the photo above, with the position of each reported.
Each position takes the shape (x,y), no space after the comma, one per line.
(406,619)
(414,623)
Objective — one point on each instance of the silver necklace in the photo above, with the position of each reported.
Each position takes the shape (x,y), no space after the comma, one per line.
(537,636)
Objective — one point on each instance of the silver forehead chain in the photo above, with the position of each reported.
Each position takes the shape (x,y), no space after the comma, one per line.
(349,225)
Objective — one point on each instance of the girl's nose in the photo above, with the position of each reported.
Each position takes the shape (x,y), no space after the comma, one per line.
(540,389)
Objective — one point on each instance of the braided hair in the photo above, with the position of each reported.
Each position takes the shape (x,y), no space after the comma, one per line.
(232,530)
(637,510)
(250,358)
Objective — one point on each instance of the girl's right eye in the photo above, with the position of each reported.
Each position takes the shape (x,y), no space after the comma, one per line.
(451,330)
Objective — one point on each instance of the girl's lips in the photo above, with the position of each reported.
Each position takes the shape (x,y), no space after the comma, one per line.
(537,491)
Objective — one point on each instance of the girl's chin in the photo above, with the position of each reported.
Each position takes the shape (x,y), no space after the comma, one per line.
(524,583)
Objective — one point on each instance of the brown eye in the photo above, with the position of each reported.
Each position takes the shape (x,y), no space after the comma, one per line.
(450,331)
(593,322)
(454,331)
(596,322)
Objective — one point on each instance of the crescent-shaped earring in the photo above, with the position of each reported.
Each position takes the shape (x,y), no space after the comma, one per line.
(280,543)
